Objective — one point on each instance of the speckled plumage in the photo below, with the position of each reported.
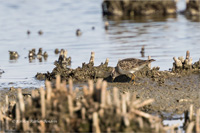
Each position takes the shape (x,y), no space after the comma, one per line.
(129,66)
(132,63)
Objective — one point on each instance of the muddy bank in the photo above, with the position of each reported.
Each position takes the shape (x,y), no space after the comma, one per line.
(138,8)
(80,74)
(192,8)
(172,90)
(173,94)
(97,110)
(12,94)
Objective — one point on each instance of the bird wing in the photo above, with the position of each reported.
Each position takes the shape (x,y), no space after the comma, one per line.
(130,63)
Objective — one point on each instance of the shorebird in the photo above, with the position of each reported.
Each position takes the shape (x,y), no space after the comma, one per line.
(129,65)
(78,32)
(39,54)
(13,55)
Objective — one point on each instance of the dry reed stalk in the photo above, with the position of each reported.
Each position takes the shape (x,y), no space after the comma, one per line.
(21,101)
(187,54)
(126,120)
(49,91)
(91,86)
(34,94)
(116,97)
(144,103)
(145,115)
(7,104)
(85,90)
(128,98)
(92,57)
(70,86)
(108,130)
(55,103)
(107,60)
(96,127)
(65,53)
(63,86)
(58,81)
(135,103)
(157,127)
(103,93)
(78,106)
(101,112)
(191,112)
(42,97)
(70,105)
(141,123)
(98,84)
(26,125)
(42,127)
(76,92)
(190,127)
(17,122)
(83,111)
(149,65)
(85,103)
(197,121)
(108,98)
(6,112)
(124,108)
(1,121)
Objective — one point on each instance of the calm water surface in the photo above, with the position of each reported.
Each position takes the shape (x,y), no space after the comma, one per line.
(163,37)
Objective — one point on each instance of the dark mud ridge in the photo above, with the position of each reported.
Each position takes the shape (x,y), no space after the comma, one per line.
(138,7)
(80,74)
(88,71)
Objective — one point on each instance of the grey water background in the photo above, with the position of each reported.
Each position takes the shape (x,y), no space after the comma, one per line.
(163,37)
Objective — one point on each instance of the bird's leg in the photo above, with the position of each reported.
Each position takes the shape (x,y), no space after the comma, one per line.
(113,79)
(133,78)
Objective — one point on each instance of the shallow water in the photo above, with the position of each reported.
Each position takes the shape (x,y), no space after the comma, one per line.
(163,37)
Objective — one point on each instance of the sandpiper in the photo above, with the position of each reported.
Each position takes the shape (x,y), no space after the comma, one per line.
(78,32)
(40,32)
(39,54)
(13,55)
(129,65)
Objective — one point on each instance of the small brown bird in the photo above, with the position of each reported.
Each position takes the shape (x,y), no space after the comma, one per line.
(28,32)
(13,55)
(106,25)
(78,32)
(40,32)
(129,65)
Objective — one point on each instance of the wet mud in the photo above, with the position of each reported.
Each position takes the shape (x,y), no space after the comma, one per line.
(174,91)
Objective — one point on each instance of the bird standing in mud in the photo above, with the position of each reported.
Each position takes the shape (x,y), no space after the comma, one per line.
(129,65)
(13,55)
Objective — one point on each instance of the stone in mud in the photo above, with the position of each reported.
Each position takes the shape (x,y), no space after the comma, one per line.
(138,8)
(192,8)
